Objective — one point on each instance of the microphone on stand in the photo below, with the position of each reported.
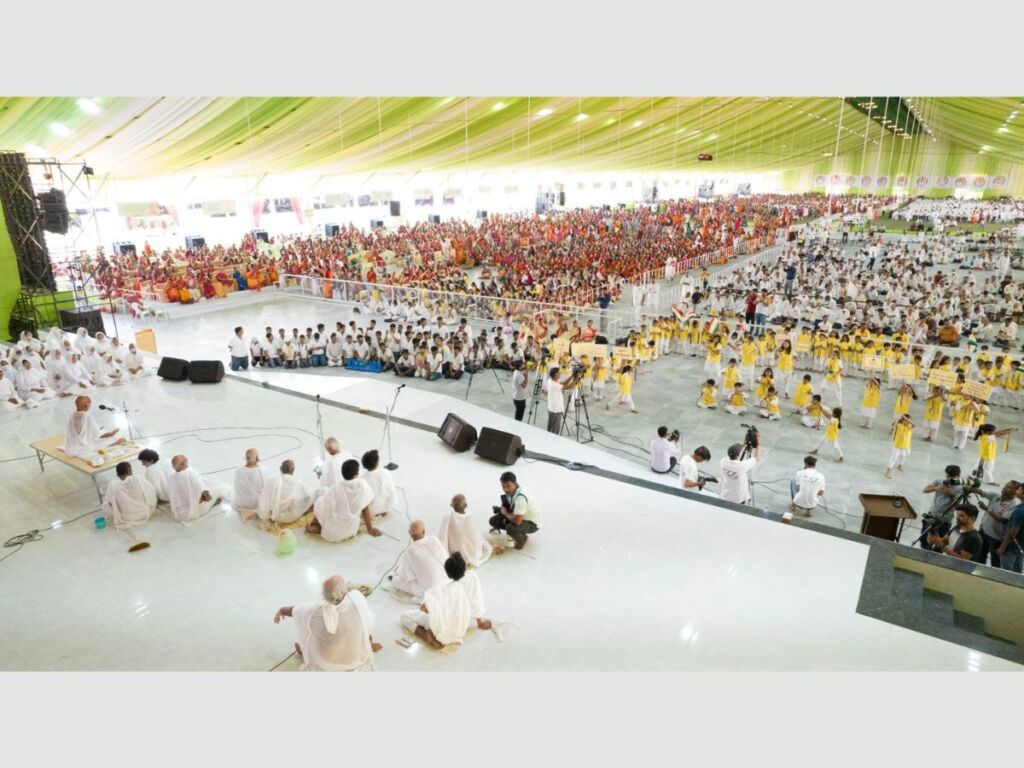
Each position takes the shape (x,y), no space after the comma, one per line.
(108,408)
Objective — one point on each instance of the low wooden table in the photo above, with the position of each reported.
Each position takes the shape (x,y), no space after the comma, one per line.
(50,450)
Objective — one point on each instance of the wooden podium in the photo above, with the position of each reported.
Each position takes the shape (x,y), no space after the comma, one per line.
(884,515)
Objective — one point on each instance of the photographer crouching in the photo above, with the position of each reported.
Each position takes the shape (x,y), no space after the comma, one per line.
(665,451)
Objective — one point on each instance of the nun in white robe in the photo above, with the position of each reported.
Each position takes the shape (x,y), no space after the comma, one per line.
(458,533)
(186,488)
(31,384)
(284,499)
(421,566)
(339,508)
(82,341)
(102,345)
(135,363)
(93,364)
(335,637)
(9,399)
(71,375)
(129,500)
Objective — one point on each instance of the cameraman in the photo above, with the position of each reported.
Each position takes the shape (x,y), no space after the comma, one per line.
(998,509)
(736,472)
(665,451)
(689,475)
(963,540)
(940,517)
(556,401)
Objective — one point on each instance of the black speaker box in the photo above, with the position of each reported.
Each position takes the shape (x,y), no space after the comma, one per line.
(192,242)
(481,214)
(54,208)
(434,218)
(503,447)
(396,208)
(205,371)
(600,339)
(173,369)
(376,224)
(125,248)
(457,433)
(90,319)
(260,234)
(331,230)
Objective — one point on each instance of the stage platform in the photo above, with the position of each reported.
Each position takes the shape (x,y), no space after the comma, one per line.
(621,576)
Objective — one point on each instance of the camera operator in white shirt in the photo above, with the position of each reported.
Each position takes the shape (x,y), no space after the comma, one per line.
(689,475)
(665,451)
(556,400)
(735,479)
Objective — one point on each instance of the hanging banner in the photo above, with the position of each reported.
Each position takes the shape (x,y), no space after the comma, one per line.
(867,182)
(979,182)
(819,180)
(923,182)
(960,182)
(901,181)
(942,182)
(882,182)
(850,180)
(836,179)
(997,182)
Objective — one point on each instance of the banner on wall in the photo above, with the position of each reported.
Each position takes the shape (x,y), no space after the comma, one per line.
(866,182)
(882,182)
(901,181)
(997,182)
(923,182)
(819,180)
(835,179)
(960,182)
(979,182)
(942,182)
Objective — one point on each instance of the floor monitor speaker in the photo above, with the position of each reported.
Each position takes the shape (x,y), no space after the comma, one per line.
(205,371)
(503,447)
(173,369)
(457,433)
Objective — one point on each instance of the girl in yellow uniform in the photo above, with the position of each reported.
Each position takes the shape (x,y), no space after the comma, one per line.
(785,367)
(869,403)
(902,434)
(600,377)
(904,398)
(816,415)
(802,396)
(730,376)
(833,377)
(625,382)
(764,383)
(933,408)
(963,420)
(748,359)
(770,408)
(708,398)
(987,452)
(737,405)
(713,363)
(835,423)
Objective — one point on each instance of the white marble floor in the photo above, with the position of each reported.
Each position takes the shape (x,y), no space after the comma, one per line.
(618,578)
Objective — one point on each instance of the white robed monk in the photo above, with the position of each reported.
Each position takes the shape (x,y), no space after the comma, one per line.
(330,469)
(248,485)
(458,533)
(449,610)
(129,500)
(335,635)
(135,363)
(381,483)
(31,384)
(84,437)
(157,472)
(191,498)
(421,566)
(9,399)
(338,509)
(71,375)
(284,499)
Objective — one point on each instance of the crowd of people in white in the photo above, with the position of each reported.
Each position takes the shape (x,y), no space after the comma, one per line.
(950,209)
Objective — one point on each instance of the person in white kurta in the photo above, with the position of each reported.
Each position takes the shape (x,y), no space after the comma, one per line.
(84,436)
(338,509)
(93,364)
(458,533)
(450,609)
(135,363)
(380,482)
(157,472)
(330,468)
(336,634)
(190,497)
(284,499)
(129,500)
(248,485)
(113,370)
(9,399)
(421,566)
(31,384)
(71,376)
(82,341)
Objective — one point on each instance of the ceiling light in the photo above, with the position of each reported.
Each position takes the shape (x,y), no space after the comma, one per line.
(1003,129)
(498,105)
(60,129)
(88,105)
(581,117)
(826,154)
(638,123)
(36,150)
(544,112)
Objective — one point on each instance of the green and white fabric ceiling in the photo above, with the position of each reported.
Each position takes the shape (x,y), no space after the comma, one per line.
(801,138)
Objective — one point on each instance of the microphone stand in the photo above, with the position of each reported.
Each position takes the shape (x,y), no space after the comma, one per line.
(320,427)
(387,427)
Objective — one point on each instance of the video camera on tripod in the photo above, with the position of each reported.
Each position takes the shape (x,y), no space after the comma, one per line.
(750,437)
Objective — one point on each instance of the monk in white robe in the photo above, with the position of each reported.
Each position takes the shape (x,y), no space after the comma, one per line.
(84,437)
(54,364)
(82,341)
(339,509)
(450,609)
(9,399)
(72,378)
(284,499)
(421,566)
(93,364)
(31,385)
(330,469)
(335,634)
(190,497)
(157,472)
(135,363)
(129,500)
(380,482)
(248,485)
(458,533)
(113,370)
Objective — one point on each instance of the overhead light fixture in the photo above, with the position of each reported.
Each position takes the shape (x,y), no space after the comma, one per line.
(1003,129)
(36,150)
(498,105)
(544,112)
(638,123)
(88,105)
(581,117)
(60,129)
(826,154)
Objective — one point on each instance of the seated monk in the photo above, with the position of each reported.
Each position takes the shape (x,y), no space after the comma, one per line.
(449,610)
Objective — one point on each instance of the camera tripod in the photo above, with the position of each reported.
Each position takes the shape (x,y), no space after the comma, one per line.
(474,373)
(578,403)
(538,385)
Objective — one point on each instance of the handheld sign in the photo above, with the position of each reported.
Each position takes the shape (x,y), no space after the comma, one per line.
(904,372)
(977,389)
(622,353)
(873,363)
(937,378)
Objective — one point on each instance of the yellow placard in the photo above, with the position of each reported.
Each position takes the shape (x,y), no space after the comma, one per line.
(558,347)
(904,372)
(977,389)
(591,350)
(937,378)
(873,363)
(622,353)
(802,346)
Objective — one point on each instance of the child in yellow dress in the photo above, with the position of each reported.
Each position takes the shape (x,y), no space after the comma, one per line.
(708,395)
(987,452)
(835,423)
(869,404)
(737,405)
(770,408)
(625,382)
(933,408)
(902,435)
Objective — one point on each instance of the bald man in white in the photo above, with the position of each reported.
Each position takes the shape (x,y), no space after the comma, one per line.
(421,565)
(248,485)
(458,533)
(129,499)
(335,634)
(190,497)
(83,437)
(284,499)
(330,469)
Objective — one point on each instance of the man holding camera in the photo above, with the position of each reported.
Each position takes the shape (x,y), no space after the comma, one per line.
(665,451)
(947,491)
(689,475)
(556,400)
(963,540)
(736,471)
(518,514)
